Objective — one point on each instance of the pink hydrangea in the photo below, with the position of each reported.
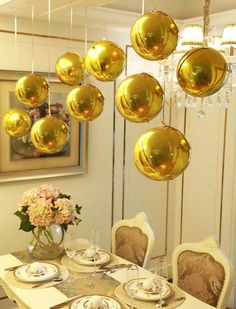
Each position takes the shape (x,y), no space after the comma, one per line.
(28,198)
(40,212)
(48,192)
(64,212)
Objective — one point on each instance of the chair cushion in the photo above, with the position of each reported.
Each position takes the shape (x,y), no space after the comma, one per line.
(131,244)
(201,276)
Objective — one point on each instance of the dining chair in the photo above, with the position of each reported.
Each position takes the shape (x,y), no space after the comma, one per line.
(202,270)
(133,239)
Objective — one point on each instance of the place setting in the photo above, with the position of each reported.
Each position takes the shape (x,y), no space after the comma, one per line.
(36,275)
(149,293)
(91,258)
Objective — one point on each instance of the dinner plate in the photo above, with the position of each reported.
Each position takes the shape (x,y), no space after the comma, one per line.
(102,258)
(146,295)
(83,302)
(50,271)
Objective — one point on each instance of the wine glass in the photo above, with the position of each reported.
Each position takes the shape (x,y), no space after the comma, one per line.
(70,245)
(94,245)
(131,286)
(161,277)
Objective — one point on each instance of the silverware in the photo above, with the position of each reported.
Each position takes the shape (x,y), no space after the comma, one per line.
(67,302)
(13,267)
(116,266)
(55,279)
(166,302)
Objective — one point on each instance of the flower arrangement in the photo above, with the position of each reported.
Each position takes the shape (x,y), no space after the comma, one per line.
(47,212)
(42,206)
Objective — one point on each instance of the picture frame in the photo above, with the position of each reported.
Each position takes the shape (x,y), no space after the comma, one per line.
(18,161)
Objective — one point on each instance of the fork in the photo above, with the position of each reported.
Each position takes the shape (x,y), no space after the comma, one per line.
(55,279)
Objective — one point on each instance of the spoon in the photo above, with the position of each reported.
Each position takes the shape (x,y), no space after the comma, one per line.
(166,303)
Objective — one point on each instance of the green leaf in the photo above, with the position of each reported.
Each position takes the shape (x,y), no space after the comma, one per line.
(78,209)
(25,224)
(63,195)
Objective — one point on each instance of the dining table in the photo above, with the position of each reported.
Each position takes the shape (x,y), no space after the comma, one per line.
(78,282)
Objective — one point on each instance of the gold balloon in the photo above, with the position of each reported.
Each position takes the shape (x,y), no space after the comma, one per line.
(201,71)
(17,122)
(49,134)
(139,97)
(85,102)
(154,36)
(105,60)
(70,68)
(162,153)
(32,90)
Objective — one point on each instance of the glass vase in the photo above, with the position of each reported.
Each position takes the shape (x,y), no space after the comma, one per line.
(46,242)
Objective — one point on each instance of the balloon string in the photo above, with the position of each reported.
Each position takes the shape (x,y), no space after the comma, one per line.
(164,101)
(206,21)
(16,43)
(105,21)
(143,6)
(49,62)
(71,25)
(85,40)
(32,40)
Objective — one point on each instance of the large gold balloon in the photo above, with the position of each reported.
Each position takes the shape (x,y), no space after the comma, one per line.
(162,153)
(105,60)
(85,102)
(201,71)
(32,90)
(17,122)
(70,68)
(139,97)
(49,134)
(154,36)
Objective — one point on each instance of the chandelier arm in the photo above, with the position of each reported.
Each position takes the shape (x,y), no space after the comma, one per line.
(206,21)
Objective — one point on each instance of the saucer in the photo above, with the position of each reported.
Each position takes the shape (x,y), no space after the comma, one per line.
(22,273)
(82,302)
(102,258)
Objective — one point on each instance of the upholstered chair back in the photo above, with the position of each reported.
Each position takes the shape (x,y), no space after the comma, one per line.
(202,270)
(133,239)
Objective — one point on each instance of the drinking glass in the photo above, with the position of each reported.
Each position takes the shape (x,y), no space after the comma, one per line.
(132,288)
(161,272)
(95,245)
(70,245)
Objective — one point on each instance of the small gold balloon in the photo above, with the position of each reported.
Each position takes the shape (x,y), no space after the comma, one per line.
(49,134)
(17,122)
(154,36)
(139,97)
(201,71)
(32,90)
(70,68)
(105,60)
(85,102)
(162,153)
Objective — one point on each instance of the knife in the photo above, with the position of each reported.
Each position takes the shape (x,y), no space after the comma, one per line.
(108,267)
(166,303)
(13,267)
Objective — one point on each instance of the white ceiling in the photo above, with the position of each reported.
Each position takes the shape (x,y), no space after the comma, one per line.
(60,9)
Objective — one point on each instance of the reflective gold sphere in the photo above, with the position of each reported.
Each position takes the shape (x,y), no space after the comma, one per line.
(201,71)
(85,102)
(162,153)
(49,134)
(70,68)
(32,90)
(154,36)
(139,97)
(105,60)
(17,122)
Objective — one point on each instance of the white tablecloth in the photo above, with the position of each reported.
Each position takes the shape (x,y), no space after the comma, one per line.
(44,298)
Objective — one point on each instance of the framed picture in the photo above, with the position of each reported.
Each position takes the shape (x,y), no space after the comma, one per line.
(19,159)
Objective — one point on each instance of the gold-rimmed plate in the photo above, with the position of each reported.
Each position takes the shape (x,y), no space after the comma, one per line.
(83,302)
(102,257)
(146,295)
(49,272)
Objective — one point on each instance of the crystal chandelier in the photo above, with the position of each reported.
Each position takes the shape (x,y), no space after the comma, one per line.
(195,35)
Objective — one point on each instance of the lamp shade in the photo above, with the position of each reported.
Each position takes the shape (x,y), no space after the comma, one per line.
(192,35)
(229,35)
